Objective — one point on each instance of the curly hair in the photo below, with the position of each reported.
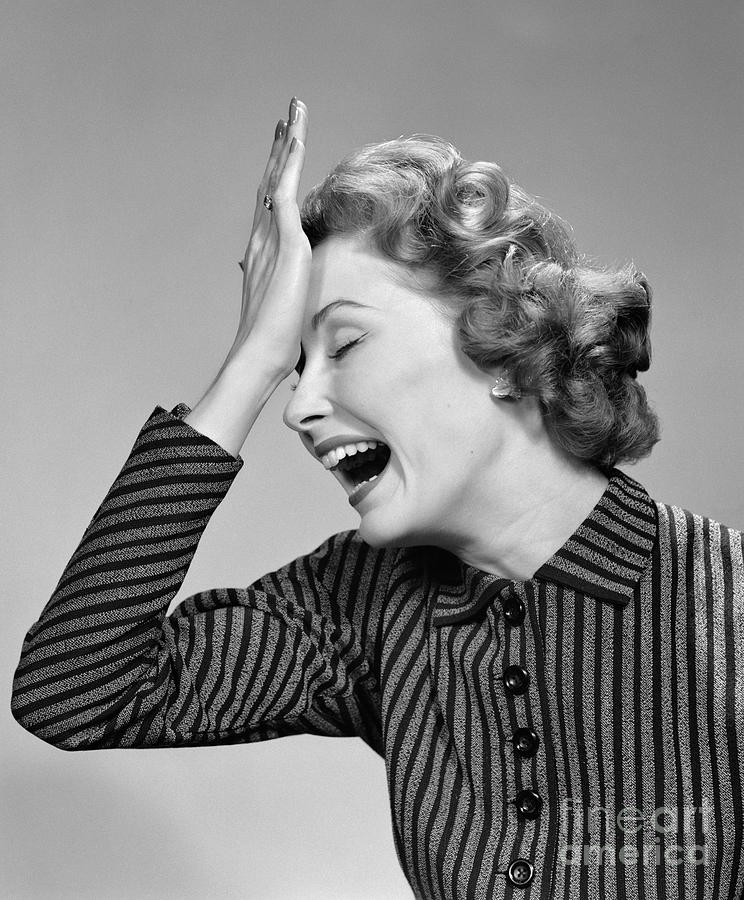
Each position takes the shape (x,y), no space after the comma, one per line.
(569,332)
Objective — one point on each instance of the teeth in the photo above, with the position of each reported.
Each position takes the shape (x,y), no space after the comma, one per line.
(364,482)
(333,457)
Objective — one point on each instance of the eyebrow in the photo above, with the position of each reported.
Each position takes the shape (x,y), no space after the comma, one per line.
(323,314)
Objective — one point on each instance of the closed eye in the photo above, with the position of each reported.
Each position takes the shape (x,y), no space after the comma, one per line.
(342,351)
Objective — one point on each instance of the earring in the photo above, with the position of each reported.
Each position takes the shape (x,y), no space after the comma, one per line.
(504,389)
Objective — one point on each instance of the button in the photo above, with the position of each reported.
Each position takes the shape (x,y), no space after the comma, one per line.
(529,804)
(526,741)
(520,872)
(516,679)
(514,610)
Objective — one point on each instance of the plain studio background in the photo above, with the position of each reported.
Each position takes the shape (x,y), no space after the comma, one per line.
(134,137)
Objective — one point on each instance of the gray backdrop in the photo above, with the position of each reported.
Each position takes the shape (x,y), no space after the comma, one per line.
(134,136)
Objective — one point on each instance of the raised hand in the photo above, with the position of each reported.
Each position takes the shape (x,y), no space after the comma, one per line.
(276,271)
(276,265)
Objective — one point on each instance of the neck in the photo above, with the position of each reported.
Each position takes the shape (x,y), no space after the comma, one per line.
(533,501)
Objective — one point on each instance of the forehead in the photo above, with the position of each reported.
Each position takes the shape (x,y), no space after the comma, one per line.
(347,266)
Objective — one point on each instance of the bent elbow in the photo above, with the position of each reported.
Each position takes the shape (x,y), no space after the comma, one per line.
(30,720)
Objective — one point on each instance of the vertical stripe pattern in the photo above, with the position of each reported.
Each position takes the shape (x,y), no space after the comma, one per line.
(613,768)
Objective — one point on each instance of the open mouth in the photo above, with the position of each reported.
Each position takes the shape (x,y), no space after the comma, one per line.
(362,466)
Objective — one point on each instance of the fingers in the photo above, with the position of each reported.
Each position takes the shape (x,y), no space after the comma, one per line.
(297,127)
(280,133)
(285,179)
(280,181)
(276,148)
(286,211)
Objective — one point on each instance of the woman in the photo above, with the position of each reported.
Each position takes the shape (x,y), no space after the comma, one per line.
(545,657)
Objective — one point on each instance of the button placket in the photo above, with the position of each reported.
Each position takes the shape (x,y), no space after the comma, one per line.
(525,740)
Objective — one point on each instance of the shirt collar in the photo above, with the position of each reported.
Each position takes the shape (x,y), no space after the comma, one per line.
(604,558)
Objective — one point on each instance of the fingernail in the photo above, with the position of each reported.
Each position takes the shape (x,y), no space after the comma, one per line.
(279,130)
(293,144)
(293,111)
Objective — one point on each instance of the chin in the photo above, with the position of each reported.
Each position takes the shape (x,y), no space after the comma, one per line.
(377,536)
(378,533)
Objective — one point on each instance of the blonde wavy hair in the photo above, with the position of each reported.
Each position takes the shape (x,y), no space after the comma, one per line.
(570,332)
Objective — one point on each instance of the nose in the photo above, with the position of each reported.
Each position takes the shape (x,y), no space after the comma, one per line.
(308,405)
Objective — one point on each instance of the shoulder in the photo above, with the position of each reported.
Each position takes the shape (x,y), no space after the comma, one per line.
(696,531)
(710,552)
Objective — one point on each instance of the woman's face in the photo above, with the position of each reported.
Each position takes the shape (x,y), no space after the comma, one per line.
(389,369)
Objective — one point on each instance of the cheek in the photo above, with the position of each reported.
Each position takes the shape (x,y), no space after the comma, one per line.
(414,392)
(357,389)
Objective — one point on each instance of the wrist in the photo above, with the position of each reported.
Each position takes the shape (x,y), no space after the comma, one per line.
(253,361)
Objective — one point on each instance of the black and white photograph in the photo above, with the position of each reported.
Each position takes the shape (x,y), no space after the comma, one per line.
(372,371)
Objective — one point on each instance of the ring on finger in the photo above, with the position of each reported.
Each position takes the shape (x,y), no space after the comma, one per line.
(268,202)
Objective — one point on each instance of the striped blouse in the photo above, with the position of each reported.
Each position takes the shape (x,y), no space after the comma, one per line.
(576,735)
